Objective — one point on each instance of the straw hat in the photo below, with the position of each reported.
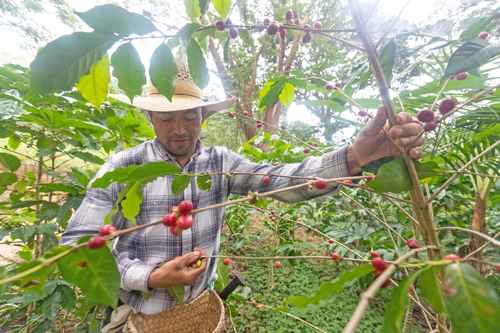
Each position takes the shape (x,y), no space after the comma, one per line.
(187,95)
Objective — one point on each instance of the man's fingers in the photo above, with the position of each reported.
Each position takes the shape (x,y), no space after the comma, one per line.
(189,258)
(406,130)
(195,272)
(403,118)
(412,141)
(376,124)
(415,153)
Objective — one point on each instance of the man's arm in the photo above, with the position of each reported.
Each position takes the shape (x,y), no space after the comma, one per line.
(375,141)
(329,165)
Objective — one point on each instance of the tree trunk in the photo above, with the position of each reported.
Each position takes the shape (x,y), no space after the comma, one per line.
(479,224)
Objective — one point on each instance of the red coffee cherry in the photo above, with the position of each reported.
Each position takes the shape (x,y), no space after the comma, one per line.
(461,76)
(484,35)
(379,264)
(170,219)
(96,242)
(220,25)
(336,257)
(185,207)
(453,257)
(272,28)
(184,222)
(447,105)
(412,243)
(266,180)
(107,230)
(425,116)
(233,33)
(320,184)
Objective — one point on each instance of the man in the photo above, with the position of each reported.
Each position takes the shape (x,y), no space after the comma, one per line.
(153,259)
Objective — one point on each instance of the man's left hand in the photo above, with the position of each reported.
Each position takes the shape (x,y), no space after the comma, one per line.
(378,140)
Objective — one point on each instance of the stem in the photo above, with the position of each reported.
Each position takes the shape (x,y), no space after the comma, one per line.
(372,290)
(420,207)
(286,258)
(474,232)
(480,248)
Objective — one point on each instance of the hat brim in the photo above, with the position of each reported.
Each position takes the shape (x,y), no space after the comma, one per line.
(159,103)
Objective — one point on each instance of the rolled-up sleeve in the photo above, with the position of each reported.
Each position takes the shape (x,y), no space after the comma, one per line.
(329,165)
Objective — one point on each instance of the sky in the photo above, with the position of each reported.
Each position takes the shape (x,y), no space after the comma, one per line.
(415,11)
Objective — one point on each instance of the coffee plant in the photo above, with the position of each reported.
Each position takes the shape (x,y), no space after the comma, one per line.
(426,230)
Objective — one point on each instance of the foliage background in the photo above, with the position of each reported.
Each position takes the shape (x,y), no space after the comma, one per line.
(62,140)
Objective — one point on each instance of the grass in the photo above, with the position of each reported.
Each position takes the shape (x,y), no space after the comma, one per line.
(303,278)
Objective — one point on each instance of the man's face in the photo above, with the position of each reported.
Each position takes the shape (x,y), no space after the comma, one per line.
(178,131)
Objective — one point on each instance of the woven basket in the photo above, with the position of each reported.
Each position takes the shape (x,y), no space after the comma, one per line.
(205,314)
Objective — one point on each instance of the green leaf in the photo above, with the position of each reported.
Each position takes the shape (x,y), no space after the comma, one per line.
(177,292)
(94,86)
(395,309)
(10,161)
(287,94)
(431,290)
(470,56)
(197,64)
(58,187)
(204,182)
(61,63)
(114,19)
(472,304)
(87,157)
(129,70)
(131,205)
(392,177)
(387,59)
(134,172)
(222,7)
(163,70)
(329,289)
(13,142)
(94,271)
(37,280)
(80,177)
(427,169)
(193,9)
(180,183)
(269,94)
(7,178)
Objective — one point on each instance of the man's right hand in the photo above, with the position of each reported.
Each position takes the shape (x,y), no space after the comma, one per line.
(178,271)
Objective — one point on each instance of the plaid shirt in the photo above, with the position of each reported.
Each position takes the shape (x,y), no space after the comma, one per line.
(138,253)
